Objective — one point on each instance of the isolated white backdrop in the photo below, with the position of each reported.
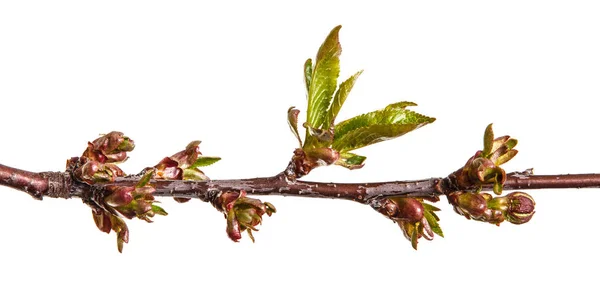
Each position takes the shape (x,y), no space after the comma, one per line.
(166,73)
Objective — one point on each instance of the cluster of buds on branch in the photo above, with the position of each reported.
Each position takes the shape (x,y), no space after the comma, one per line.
(113,196)
(516,207)
(484,169)
(98,163)
(242,213)
(415,218)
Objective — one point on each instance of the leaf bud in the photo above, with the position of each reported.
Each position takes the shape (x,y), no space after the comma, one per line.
(521,208)
(121,196)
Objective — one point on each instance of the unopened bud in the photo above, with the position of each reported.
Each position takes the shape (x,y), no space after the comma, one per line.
(409,209)
(120,197)
(322,156)
(102,220)
(521,208)
(470,205)
(188,156)
(233,227)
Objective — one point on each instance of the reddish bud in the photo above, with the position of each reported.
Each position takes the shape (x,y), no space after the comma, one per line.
(242,213)
(226,200)
(116,157)
(142,207)
(102,220)
(521,208)
(233,227)
(87,171)
(322,156)
(470,205)
(181,200)
(126,211)
(188,156)
(409,209)
(270,209)
(168,169)
(120,197)
(126,145)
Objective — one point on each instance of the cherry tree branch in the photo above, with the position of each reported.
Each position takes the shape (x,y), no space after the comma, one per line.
(60,185)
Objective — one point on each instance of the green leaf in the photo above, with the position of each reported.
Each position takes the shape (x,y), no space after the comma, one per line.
(504,158)
(432,218)
(393,112)
(323,81)
(308,71)
(414,237)
(351,160)
(511,143)
(293,122)
(339,98)
(159,211)
(393,121)
(497,188)
(194,174)
(145,178)
(204,161)
(488,140)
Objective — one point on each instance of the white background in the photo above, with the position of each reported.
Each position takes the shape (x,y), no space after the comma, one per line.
(166,73)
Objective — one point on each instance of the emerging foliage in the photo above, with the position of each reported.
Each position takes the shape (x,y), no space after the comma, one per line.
(325,100)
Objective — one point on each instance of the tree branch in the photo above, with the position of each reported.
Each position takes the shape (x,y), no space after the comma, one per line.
(59,184)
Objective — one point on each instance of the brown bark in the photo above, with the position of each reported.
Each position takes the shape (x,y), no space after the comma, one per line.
(60,184)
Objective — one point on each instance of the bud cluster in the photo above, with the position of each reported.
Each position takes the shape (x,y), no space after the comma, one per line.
(483,168)
(516,207)
(129,202)
(415,218)
(242,213)
(98,161)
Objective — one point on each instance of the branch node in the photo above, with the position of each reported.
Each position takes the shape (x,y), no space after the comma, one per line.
(59,184)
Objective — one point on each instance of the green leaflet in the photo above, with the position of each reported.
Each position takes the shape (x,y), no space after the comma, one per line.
(159,211)
(204,161)
(323,81)
(372,118)
(293,122)
(510,154)
(488,140)
(351,160)
(339,98)
(391,122)
(194,174)
(308,71)
(432,218)
(145,178)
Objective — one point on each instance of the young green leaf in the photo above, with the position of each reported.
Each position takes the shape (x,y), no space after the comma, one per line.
(504,158)
(145,178)
(488,140)
(323,81)
(159,210)
(339,98)
(432,218)
(308,71)
(194,174)
(293,122)
(204,161)
(351,160)
(393,112)
(414,237)
(393,121)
